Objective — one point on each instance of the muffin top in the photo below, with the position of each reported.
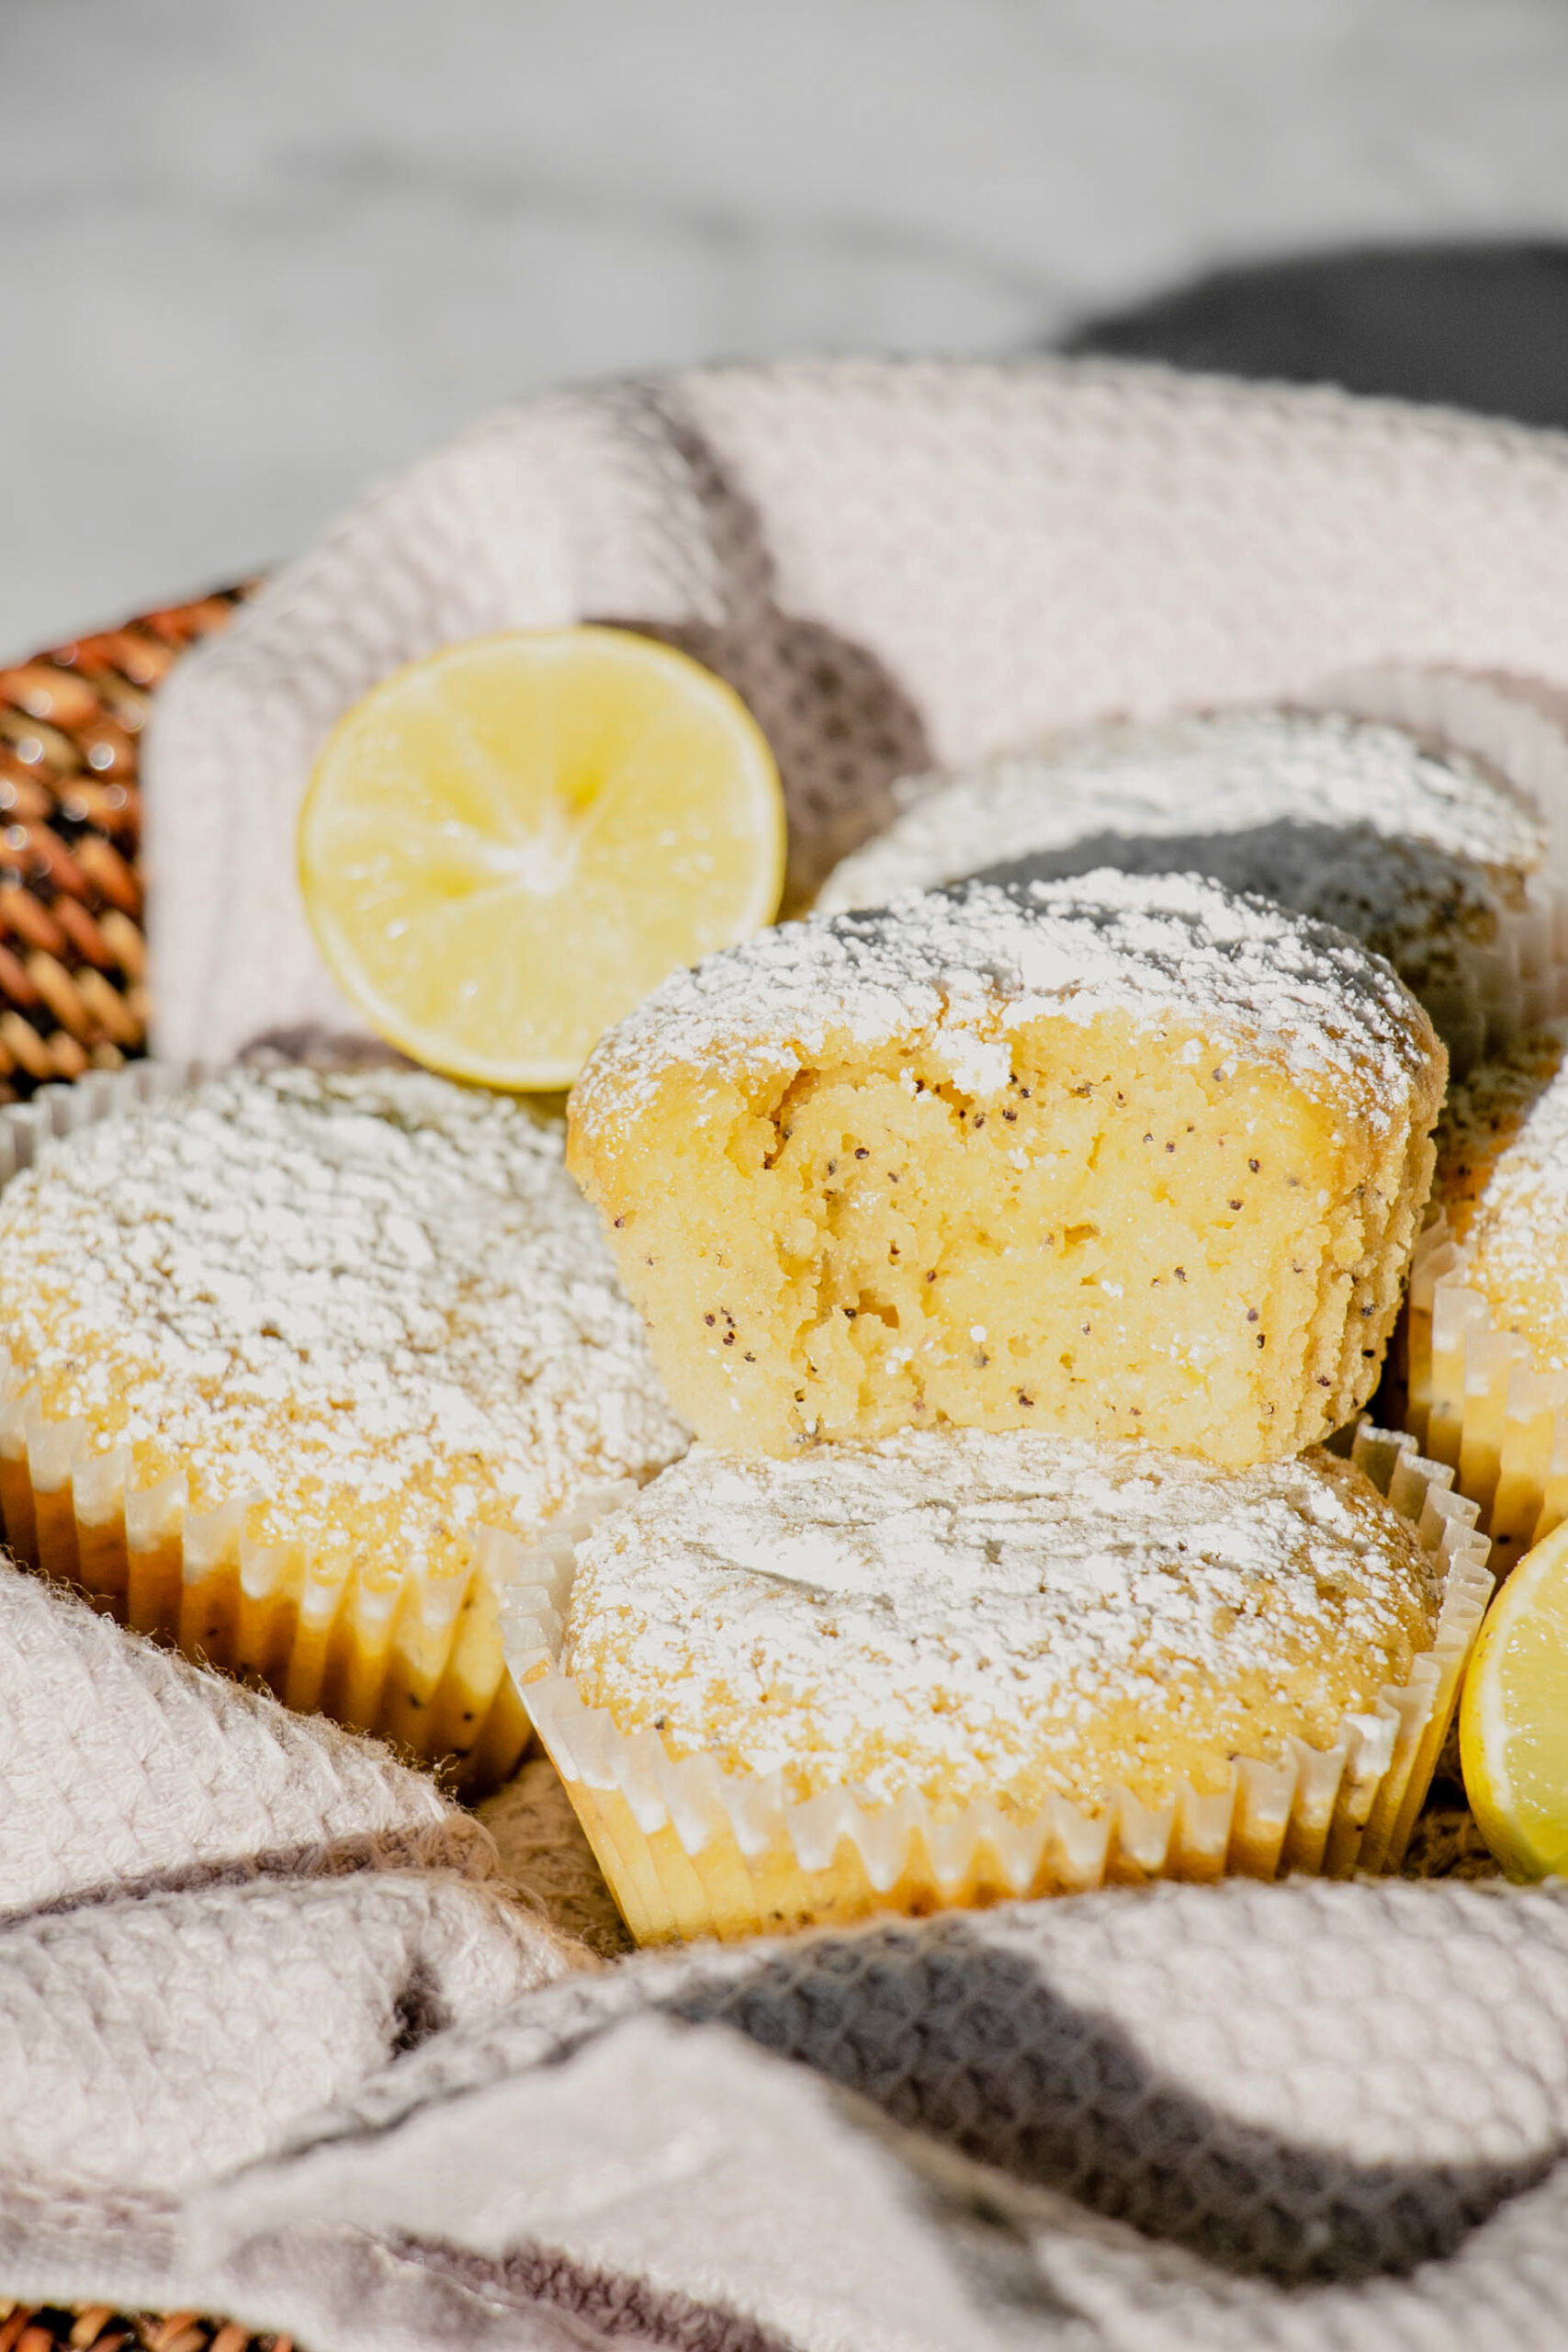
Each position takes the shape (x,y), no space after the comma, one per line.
(963,970)
(375,1299)
(1501,1178)
(1220,772)
(1012,1616)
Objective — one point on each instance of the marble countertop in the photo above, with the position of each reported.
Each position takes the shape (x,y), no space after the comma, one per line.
(256,256)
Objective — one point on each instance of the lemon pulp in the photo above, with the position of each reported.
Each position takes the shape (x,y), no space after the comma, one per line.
(505,846)
(1514,1717)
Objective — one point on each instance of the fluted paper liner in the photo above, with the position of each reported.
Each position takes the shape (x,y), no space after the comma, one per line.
(1479,1402)
(690,1851)
(414,1657)
(1508,985)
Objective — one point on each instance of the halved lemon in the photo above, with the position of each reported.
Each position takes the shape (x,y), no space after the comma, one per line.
(506,846)
(1514,1717)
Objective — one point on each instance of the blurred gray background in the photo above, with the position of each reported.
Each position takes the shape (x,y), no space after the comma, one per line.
(256,255)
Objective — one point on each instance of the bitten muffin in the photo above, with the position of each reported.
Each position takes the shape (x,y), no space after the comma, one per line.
(955,1666)
(283,1350)
(1425,856)
(1114,1157)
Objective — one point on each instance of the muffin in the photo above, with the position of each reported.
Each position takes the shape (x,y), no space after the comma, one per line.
(954,1666)
(1427,857)
(294,1356)
(1111,1158)
(1488,1332)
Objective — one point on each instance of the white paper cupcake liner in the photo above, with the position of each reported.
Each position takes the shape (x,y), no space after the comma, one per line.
(414,1658)
(1479,1402)
(690,1851)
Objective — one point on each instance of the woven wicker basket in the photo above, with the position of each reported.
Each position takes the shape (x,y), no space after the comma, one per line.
(50,2327)
(73,958)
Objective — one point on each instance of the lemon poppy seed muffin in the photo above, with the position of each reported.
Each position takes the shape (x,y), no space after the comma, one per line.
(1426,855)
(1502,1182)
(368,1312)
(954,1667)
(1223,771)
(1119,1156)
(966,1615)
(1487,1335)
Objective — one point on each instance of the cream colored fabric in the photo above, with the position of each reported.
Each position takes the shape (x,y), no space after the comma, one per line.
(123,1768)
(280,2036)
(1304,2115)
(167,1837)
(899,564)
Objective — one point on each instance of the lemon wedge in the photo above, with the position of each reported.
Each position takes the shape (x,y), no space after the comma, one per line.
(1514,1717)
(506,846)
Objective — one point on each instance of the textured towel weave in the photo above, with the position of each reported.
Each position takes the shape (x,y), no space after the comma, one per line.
(122,1769)
(898,565)
(280,2035)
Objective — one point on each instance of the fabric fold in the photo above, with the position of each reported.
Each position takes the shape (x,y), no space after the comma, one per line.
(897,564)
(123,1768)
(158,2041)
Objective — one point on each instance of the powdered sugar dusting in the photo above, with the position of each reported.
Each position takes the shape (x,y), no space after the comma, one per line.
(1514,1224)
(1224,771)
(375,1298)
(962,1612)
(962,970)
